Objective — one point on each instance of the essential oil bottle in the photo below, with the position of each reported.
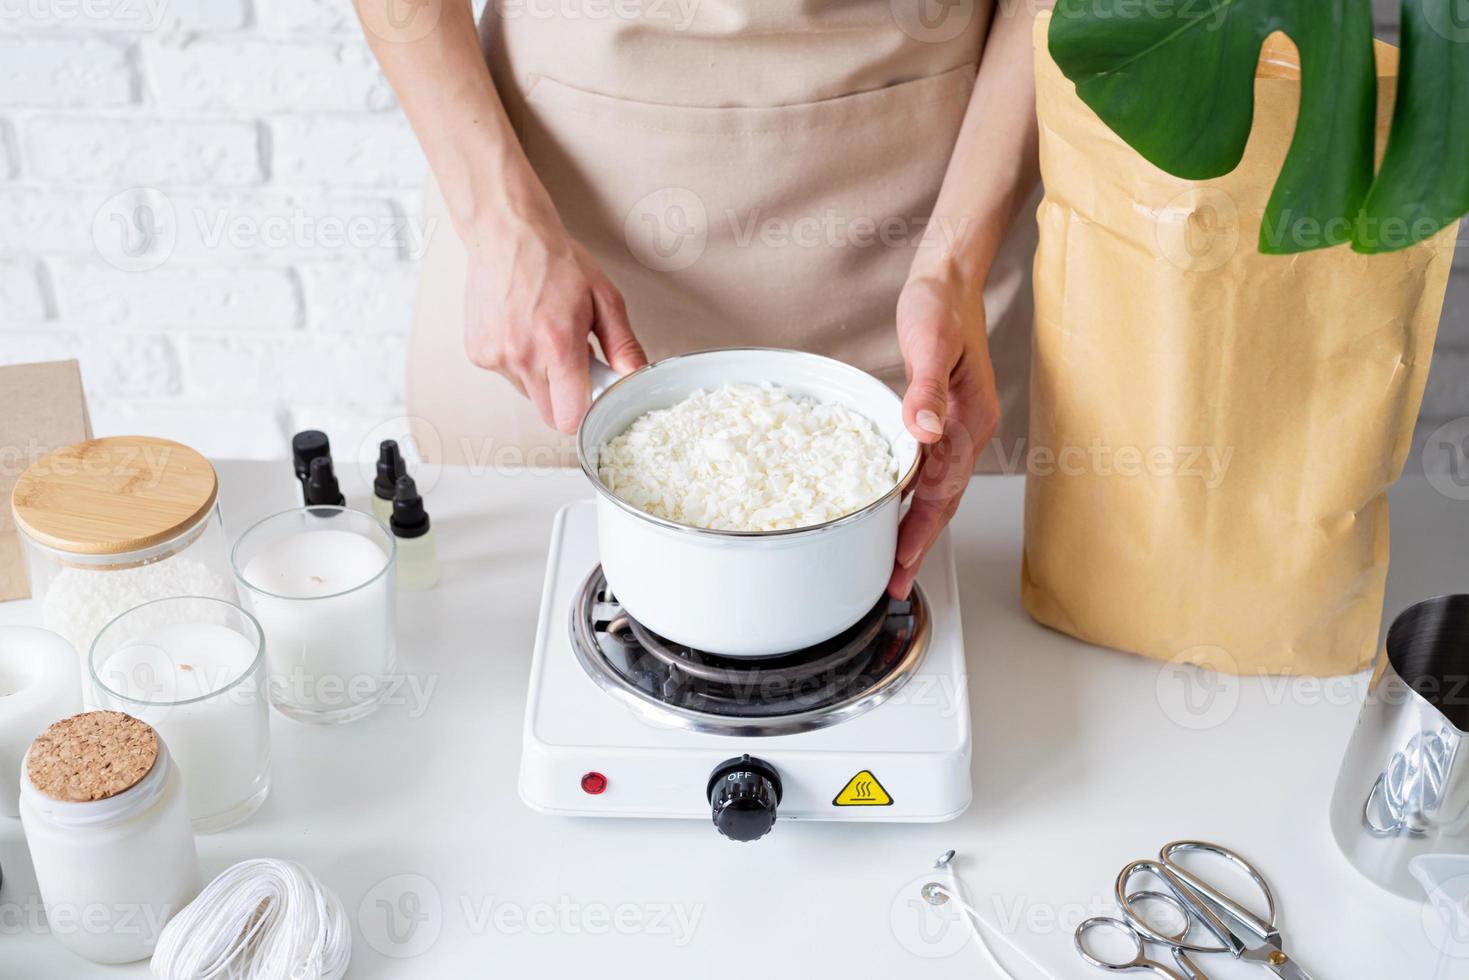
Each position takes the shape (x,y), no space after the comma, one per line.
(322,489)
(306,447)
(390,469)
(418,560)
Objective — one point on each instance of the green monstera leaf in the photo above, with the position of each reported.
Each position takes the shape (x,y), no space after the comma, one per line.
(1175,80)
(1423,184)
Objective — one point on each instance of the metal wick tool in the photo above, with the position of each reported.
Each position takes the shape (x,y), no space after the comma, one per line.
(934,893)
(937,893)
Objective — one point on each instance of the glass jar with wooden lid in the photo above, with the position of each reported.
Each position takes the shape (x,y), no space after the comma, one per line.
(112,523)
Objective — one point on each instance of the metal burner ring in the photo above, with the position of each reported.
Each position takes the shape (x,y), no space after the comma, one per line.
(593,660)
(693,663)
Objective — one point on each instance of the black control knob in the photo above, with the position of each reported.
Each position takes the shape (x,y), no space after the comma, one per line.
(744,793)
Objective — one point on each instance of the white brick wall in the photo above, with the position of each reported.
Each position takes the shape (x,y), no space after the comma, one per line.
(210,202)
(8,155)
(65,72)
(264,75)
(257,147)
(21,295)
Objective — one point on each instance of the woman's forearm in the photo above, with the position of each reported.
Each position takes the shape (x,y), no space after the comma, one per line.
(450,100)
(533,297)
(993,167)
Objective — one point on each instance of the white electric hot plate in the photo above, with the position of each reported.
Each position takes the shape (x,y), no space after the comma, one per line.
(872,725)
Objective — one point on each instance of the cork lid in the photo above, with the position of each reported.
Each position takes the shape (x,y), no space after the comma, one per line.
(91,756)
(113,496)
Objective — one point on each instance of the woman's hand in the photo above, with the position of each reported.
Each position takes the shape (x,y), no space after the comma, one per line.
(532,299)
(533,296)
(950,407)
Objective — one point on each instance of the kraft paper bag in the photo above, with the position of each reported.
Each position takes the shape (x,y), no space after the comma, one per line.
(1213,431)
(42,408)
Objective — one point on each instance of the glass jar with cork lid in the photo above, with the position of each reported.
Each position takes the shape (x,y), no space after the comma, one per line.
(103,810)
(112,523)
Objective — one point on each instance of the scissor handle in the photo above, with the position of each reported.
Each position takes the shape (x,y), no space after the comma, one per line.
(1140,923)
(1138,961)
(1263,928)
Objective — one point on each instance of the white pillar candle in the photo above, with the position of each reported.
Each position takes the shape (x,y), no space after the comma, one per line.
(194,684)
(40,683)
(325,601)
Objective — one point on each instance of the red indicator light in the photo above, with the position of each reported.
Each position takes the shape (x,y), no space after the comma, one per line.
(593,783)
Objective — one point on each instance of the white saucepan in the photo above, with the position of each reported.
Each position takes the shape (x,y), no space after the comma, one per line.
(745,593)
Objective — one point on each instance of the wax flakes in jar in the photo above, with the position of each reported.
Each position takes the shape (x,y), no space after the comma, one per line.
(112,523)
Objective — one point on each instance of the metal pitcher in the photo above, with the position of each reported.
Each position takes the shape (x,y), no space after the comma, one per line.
(1403,790)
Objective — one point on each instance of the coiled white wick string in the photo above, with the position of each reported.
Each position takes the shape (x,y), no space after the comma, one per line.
(940,893)
(261,920)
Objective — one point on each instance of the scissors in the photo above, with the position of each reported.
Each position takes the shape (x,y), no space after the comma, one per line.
(1239,932)
(1187,970)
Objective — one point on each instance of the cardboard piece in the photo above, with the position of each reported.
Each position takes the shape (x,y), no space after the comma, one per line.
(1213,430)
(42,408)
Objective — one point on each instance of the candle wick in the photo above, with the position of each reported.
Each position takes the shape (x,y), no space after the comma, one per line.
(317,579)
(186,666)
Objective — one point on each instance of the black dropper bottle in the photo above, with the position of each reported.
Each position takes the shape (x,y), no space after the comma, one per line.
(409,520)
(418,561)
(390,468)
(307,446)
(321,486)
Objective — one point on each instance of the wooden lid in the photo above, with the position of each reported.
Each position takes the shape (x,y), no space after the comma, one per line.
(113,496)
(91,756)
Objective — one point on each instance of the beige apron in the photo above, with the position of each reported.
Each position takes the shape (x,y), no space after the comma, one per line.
(746,173)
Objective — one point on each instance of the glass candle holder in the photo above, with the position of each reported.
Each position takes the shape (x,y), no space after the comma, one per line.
(39,684)
(193,667)
(321,581)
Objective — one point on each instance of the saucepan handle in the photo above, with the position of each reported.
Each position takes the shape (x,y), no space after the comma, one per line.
(602,376)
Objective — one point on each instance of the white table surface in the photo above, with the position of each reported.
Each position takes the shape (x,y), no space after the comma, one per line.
(1071,743)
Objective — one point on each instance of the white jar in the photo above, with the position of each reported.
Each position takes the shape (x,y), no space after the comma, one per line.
(108,829)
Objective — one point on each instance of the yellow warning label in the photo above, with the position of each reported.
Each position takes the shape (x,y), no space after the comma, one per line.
(863,789)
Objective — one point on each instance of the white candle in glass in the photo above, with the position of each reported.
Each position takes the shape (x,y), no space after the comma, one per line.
(327,610)
(40,683)
(198,685)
